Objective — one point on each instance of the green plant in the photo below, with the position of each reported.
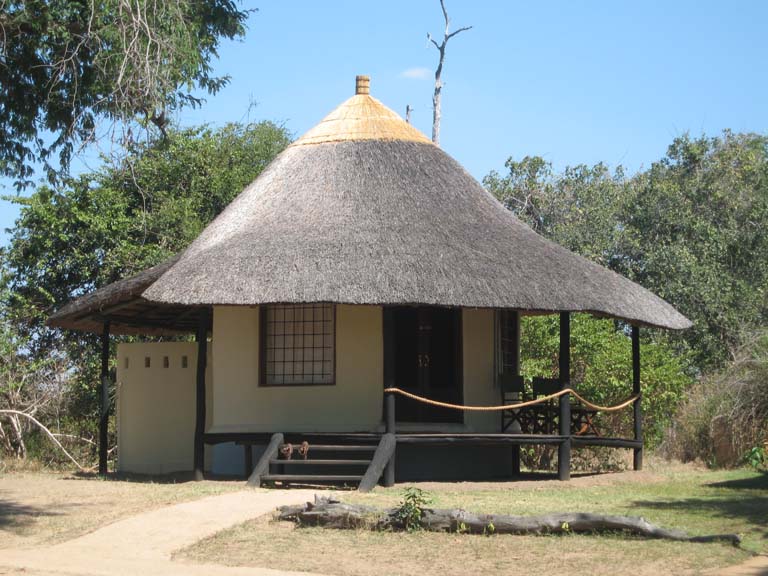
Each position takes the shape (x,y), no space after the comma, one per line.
(411,508)
(601,370)
(757,457)
(690,228)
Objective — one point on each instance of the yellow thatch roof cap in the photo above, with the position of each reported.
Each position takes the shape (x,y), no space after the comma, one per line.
(362,117)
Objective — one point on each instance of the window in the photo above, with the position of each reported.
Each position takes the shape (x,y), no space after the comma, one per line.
(298,344)
(507,342)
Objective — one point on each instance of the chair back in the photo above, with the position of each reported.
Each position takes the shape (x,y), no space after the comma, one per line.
(511,383)
(546,386)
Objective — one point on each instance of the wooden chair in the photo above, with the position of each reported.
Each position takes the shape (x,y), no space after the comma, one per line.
(546,420)
(512,391)
(545,414)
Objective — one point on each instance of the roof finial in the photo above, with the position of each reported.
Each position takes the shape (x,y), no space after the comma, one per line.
(363,85)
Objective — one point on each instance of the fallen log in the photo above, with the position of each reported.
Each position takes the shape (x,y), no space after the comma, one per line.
(334,514)
(330,514)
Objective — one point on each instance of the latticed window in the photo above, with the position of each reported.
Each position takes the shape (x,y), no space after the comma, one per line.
(298,344)
(506,341)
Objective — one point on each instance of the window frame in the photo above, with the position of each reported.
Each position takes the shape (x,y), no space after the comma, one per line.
(499,340)
(263,346)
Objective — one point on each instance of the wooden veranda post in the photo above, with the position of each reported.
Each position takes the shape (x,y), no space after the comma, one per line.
(389,382)
(389,424)
(104,404)
(202,362)
(637,407)
(516,371)
(564,449)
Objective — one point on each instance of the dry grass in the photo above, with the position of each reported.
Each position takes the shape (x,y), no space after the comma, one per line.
(38,507)
(363,553)
(695,500)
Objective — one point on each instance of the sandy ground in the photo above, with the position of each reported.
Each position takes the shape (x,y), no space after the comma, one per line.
(144,543)
(46,507)
(757,566)
(67,525)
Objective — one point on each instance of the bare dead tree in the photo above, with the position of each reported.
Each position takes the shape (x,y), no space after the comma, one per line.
(17,414)
(439,71)
(30,390)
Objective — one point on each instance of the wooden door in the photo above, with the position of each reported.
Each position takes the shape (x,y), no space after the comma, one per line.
(423,356)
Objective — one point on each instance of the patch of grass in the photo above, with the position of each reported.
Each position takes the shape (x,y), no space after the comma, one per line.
(700,502)
(365,553)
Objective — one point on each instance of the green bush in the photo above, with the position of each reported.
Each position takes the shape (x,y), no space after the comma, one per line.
(601,369)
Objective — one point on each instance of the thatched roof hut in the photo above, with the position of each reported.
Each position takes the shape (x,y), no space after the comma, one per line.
(364,209)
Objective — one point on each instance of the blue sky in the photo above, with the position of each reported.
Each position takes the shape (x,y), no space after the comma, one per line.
(573,81)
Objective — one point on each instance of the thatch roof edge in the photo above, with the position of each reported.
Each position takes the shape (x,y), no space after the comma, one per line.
(79,313)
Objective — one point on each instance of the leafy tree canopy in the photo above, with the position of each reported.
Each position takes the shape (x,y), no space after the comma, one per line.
(65,64)
(696,235)
(94,229)
(691,229)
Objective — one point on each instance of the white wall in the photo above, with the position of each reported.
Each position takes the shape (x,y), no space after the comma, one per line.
(156,407)
(352,404)
(479,388)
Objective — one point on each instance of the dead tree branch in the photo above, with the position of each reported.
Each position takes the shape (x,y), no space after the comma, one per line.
(436,98)
(17,413)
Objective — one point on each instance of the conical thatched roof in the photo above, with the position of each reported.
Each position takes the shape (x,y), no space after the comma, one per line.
(364,209)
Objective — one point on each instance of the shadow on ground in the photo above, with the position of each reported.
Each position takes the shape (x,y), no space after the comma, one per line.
(745,507)
(759,482)
(173,478)
(14,515)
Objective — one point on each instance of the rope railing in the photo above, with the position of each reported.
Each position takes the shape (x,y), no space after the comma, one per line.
(516,406)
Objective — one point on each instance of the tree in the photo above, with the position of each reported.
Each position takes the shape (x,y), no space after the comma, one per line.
(92,230)
(696,235)
(66,64)
(691,229)
(28,386)
(581,208)
(131,215)
(437,96)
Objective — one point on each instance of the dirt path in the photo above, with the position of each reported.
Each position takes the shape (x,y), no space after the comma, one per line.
(143,544)
(757,566)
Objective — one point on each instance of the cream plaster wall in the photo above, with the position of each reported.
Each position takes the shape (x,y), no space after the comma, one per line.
(156,407)
(353,404)
(479,387)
